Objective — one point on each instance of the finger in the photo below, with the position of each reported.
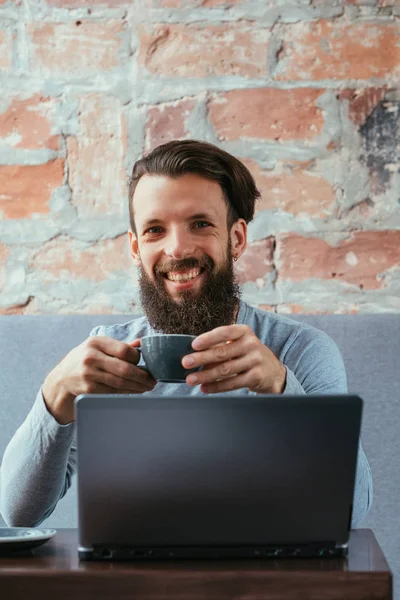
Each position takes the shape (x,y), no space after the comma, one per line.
(135,343)
(222,370)
(118,383)
(120,368)
(219,335)
(217,354)
(115,348)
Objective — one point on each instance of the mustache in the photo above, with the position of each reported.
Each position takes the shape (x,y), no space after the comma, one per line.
(205,263)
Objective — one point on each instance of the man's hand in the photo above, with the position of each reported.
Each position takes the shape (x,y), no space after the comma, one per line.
(232,358)
(100,365)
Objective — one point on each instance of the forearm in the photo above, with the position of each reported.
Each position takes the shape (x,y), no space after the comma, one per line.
(37,468)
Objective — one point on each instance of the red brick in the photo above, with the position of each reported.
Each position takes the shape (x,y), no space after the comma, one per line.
(6,49)
(339,50)
(28,124)
(67,259)
(26,189)
(358,260)
(97,173)
(362,102)
(69,49)
(291,188)
(204,50)
(256,262)
(166,122)
(266,113)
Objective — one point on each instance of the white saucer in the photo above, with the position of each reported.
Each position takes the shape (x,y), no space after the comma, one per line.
(16,539)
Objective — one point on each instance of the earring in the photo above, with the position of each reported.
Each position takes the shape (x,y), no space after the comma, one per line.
(235,258)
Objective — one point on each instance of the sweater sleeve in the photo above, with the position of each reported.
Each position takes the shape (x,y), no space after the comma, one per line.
(319,368)
(37,467)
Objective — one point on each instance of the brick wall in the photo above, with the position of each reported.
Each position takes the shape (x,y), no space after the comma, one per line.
(305,92)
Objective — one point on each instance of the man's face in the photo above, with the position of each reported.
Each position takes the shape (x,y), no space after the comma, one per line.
(184,252)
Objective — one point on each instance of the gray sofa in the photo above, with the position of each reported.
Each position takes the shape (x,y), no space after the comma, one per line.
(370,344)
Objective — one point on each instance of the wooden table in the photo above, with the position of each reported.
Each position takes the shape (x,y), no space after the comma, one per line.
(53,571)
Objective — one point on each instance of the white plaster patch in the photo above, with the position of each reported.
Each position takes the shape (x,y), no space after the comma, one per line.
(13,139)
(16,276)
(260,283)
(351,259)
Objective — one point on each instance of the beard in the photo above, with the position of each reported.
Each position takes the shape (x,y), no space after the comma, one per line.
(214,306)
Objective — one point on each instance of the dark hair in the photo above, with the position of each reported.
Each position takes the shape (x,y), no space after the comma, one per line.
(179,157)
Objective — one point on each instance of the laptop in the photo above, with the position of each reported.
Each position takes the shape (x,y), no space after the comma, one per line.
(215,476)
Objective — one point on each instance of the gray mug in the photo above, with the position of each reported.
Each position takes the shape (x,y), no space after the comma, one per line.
(163,353)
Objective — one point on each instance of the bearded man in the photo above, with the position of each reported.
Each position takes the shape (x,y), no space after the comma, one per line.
(190,203)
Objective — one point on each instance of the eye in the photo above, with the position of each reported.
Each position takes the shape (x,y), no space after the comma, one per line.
(202,224)
(155,229)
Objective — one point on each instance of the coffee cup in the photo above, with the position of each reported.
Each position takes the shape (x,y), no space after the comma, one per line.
(163,353)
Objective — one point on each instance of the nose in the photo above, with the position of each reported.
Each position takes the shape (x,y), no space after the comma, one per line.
(179,244)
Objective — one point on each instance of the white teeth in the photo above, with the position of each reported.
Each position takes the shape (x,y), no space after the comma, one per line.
(183,276)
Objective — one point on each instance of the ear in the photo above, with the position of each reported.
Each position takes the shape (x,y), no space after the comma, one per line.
(238,235)
(134,246)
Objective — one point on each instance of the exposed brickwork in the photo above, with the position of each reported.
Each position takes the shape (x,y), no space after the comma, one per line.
(204,50)
(292,188)
(338,50)
(361,260)
(68,259)
(256,262)
(305,93)
(272,114)
(96,157)
(75,49)
(362,102)
(29,123)
(25,190)
(6,49)
(167,122)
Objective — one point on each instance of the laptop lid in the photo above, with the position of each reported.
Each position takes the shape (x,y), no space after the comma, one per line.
(216,470)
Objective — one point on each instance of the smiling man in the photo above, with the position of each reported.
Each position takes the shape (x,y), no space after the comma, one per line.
(190,203)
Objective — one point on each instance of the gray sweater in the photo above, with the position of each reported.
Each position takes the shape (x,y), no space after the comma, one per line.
(40,459)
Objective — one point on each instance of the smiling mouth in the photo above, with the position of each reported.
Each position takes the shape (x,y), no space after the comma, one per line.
(183,277)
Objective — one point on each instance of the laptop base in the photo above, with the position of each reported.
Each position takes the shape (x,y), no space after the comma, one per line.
(110,552)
